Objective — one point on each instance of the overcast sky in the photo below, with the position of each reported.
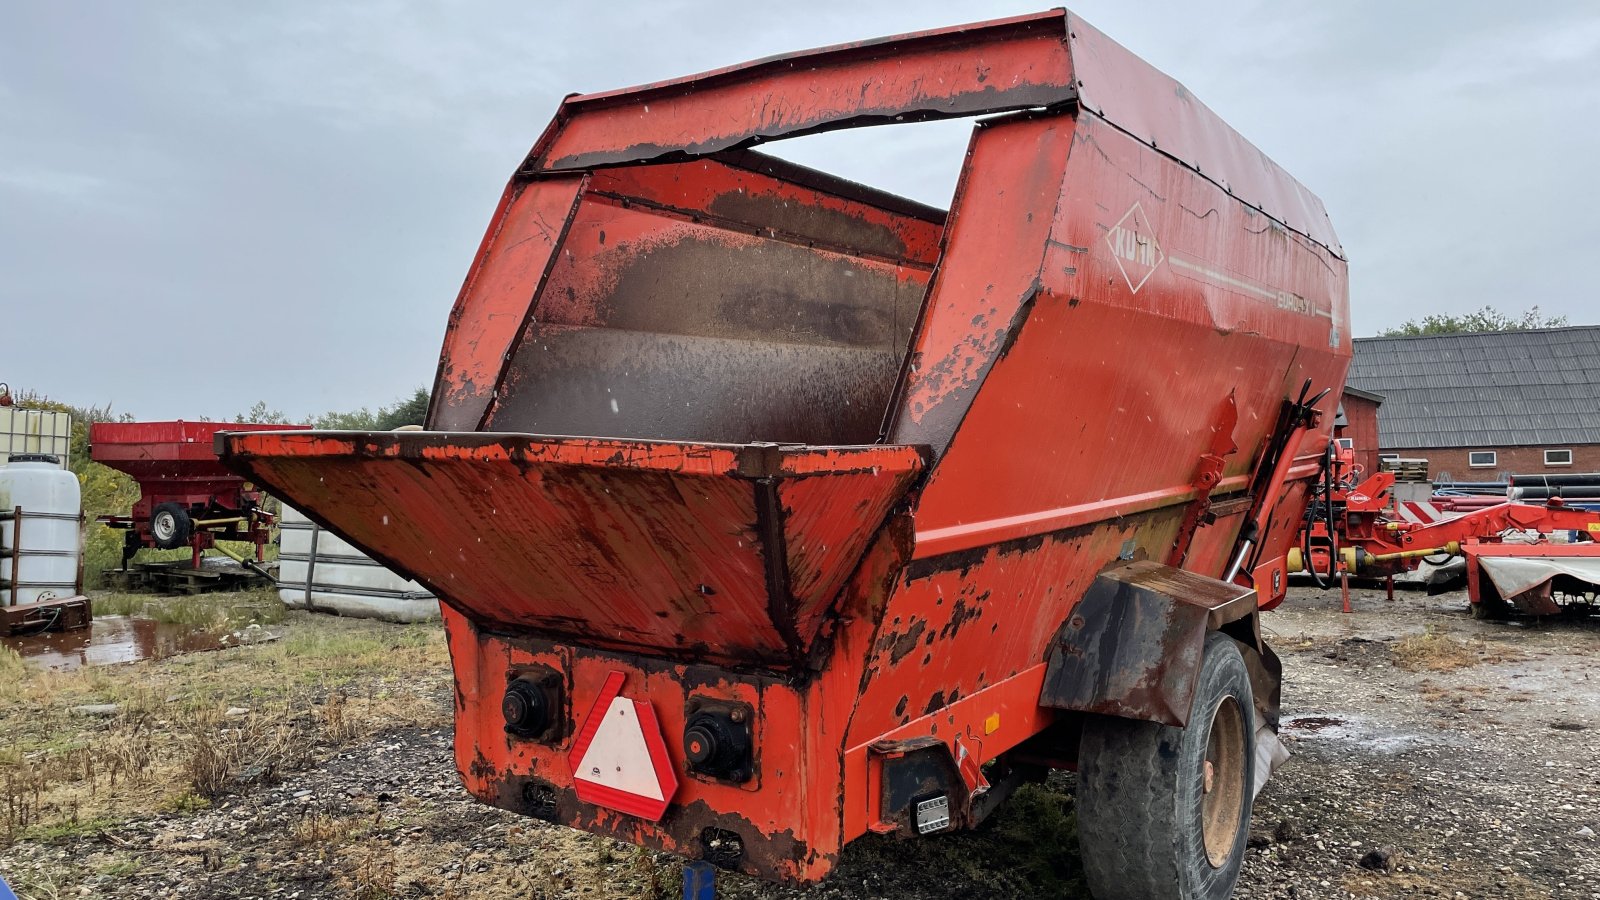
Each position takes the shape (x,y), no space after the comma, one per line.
(203,205)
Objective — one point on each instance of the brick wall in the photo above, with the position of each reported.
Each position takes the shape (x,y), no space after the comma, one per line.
(1452,461)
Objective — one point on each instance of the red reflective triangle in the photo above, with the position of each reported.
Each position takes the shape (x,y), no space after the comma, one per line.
(620,759)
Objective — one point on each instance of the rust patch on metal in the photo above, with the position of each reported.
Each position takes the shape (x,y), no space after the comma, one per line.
(899,645)
(960,614)
(836,227)
(766,852)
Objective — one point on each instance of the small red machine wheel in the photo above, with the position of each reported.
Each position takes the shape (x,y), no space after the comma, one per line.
(1164,812)
(170,526)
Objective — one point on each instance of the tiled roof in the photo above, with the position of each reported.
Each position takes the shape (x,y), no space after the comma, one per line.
(1491,389)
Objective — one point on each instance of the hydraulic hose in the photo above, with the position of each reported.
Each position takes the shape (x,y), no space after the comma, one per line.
(1322,487)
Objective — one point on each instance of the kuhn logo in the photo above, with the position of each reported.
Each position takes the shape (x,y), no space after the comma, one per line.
(1135,248)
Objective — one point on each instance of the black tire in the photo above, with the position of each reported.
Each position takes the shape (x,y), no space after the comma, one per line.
(170,526)
(1147,827)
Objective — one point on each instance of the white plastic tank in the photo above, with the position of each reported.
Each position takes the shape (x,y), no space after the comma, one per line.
(39,551)
(318,570)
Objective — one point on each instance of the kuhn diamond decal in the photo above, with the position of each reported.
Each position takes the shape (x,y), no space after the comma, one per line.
(1135,248)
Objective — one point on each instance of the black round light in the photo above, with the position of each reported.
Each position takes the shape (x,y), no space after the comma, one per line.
(526,709)
(699,744)
(715,745)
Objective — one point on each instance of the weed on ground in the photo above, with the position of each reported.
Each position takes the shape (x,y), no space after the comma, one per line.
(83,749)
(1436,651)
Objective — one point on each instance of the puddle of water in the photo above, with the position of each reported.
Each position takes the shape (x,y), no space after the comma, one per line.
(110,640)
(1374,737)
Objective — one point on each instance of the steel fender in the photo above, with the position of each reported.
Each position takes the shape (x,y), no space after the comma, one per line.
(1132,646)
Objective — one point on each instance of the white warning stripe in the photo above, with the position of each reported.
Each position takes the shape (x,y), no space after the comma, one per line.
(1419,512)
(1282,299)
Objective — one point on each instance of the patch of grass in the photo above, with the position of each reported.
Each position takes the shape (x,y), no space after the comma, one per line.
(365,645)
(55,831)
(118,867)
(107,604)
(1028,835)
(201,611)
(11,665)
(315,829)
(187,802)
(370,871)
(255,748)
(1435,651)
(326,683)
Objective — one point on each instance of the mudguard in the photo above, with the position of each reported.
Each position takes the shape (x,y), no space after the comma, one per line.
(1132,645)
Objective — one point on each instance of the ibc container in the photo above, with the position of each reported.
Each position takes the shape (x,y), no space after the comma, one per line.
(35,431)
(319,570)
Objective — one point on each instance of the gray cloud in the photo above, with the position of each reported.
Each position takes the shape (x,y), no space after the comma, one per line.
(202,205)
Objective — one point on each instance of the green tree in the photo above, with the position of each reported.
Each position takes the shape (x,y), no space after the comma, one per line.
(260,415)
(410,411)
(362,419)
(1486,319)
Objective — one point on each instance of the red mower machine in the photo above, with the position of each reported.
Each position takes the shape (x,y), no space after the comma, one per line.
(1354,527)
(187,498)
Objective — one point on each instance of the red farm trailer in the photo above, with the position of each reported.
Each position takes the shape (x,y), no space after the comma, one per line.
(187,497)
(769,510)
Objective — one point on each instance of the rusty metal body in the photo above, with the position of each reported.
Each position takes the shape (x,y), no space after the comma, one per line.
(841,466)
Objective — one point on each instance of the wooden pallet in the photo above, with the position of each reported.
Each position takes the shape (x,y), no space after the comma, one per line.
(1407,470)
(179,578)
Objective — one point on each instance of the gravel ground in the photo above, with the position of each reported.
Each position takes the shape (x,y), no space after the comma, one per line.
(1434,756)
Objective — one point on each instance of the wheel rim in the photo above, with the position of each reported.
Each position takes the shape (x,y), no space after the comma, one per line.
(164,526)
(1222,782)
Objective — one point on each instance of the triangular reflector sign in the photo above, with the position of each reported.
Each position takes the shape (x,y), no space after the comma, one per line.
(619,759)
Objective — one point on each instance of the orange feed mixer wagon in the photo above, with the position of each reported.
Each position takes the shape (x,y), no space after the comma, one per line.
(769,510)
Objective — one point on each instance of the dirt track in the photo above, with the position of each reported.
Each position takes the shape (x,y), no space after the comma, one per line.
(1478,781)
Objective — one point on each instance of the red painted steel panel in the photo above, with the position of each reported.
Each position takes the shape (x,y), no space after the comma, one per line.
(656,547)
(168,452)
(493,306)
(1147,103)
(1097,405)
(969,70)
(758,192)
(822,528)
(995,246)
(787,818)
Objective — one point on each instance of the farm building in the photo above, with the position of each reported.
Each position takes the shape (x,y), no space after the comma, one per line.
(1480,406)
(1358,420)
